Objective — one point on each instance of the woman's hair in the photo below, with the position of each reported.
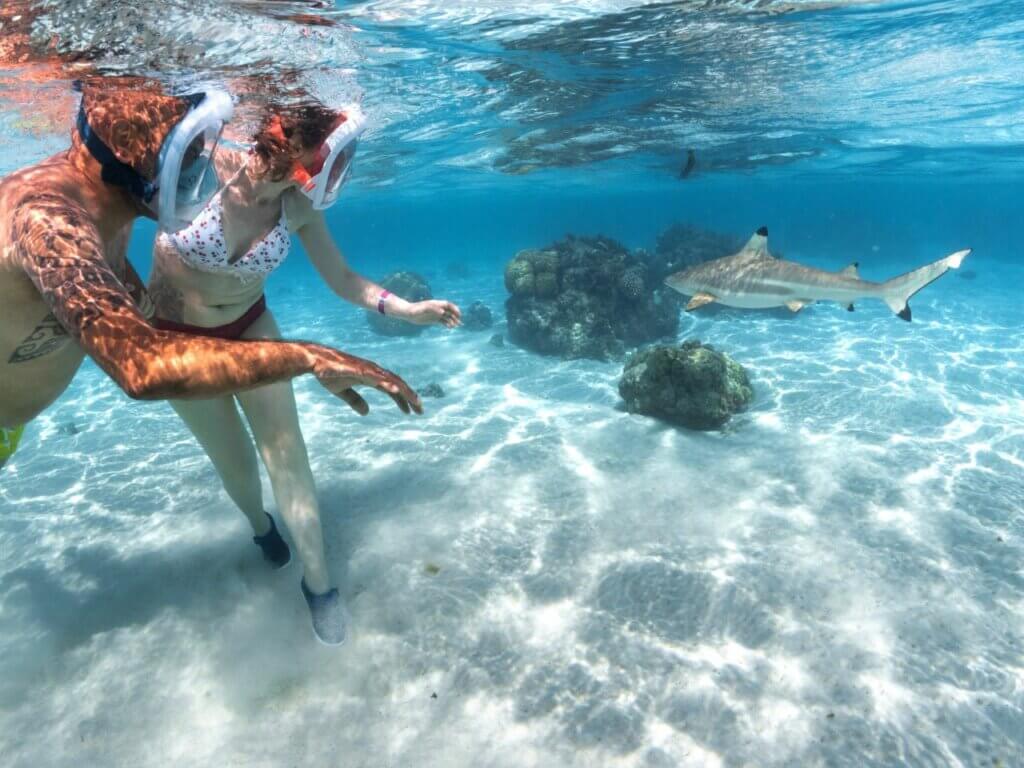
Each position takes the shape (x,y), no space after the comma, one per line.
(287,131)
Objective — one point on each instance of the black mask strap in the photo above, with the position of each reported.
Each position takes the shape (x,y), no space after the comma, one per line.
(114,171)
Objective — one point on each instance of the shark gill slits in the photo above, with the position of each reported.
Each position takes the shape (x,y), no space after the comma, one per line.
(763,231)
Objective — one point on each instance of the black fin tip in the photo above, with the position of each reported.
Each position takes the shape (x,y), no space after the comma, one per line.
(763,231)
(904,314)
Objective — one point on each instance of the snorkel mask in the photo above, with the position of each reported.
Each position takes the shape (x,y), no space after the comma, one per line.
(322,179)
(185,175)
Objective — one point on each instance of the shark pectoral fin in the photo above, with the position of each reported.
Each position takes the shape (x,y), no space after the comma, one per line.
(851,271)
(796,306)
(699,300)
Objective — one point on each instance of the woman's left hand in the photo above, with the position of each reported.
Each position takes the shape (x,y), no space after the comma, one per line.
(434,312)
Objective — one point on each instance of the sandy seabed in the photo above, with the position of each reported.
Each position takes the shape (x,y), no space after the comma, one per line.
(537,578)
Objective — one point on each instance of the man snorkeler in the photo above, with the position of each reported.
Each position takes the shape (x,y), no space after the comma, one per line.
(67,289)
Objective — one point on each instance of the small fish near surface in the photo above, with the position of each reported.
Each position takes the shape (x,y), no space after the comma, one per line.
(754,279)
(691,163)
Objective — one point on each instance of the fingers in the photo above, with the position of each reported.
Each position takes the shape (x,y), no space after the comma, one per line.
(400,401)
(407,400)
(396,388)
(355,401)
(349,371)
(403,396)
(416,404)
(451,316)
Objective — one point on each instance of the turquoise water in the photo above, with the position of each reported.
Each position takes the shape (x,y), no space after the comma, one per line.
(535,576)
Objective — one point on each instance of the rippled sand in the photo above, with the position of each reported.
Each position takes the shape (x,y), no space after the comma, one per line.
(537,578)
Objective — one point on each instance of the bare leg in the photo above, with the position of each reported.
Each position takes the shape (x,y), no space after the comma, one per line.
(218,427)
(272,414)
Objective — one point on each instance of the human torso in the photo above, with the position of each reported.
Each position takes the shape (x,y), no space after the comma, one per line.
(38,358)
(210,273)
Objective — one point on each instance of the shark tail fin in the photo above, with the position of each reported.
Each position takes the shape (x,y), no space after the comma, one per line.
(897,292)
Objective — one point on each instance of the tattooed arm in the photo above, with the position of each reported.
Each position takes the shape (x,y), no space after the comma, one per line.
(61,252)
(50,335)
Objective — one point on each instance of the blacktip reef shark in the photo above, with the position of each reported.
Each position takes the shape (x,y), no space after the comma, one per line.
(754,279)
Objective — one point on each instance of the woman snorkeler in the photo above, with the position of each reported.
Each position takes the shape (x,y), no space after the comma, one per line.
(208,280)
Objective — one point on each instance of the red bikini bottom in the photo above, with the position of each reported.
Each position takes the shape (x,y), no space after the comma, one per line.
(232,331)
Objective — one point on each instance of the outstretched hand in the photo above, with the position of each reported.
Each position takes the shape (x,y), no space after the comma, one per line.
(339,373)
(434,312)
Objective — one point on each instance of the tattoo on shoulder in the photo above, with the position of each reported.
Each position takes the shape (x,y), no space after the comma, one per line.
(48,337)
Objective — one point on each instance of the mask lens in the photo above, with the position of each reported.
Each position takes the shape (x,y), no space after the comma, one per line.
(198,180)
(188,177)
(194,151)
(339,172)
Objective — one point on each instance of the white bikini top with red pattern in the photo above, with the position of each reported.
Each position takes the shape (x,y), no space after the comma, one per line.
(201,245)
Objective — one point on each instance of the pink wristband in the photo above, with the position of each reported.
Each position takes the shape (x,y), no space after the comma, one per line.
(380,302)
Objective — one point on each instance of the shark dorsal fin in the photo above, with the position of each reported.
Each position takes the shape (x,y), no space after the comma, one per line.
(851,271)
(757,245)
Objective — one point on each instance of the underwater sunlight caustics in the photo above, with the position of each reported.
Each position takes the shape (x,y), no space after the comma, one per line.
(398,383)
